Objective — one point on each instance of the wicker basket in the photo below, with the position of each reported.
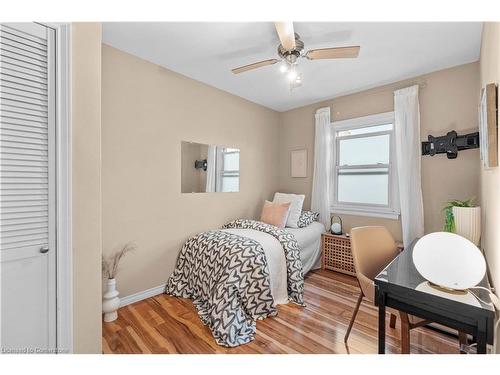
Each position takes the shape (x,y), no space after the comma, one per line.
(337,254)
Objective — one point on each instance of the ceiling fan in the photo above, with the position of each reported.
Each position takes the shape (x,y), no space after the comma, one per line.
(291,49)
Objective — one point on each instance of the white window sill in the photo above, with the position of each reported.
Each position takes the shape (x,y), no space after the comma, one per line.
(384,214)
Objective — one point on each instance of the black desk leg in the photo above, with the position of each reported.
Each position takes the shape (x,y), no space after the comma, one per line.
(481,337)
(381,323)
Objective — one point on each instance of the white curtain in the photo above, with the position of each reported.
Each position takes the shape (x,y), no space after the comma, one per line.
(211,169)
(407,132)
(320,197)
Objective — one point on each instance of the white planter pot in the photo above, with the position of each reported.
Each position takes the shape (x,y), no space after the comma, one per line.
(110,301)
(468,223)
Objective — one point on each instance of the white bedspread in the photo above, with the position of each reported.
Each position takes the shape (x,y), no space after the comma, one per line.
(309,240)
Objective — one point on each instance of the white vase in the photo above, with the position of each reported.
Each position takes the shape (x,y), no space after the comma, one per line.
(110,301)
(468,223)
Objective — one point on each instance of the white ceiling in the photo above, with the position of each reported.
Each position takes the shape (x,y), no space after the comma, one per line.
(208,51)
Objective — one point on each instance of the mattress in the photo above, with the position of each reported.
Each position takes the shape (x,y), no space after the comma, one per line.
(309,240)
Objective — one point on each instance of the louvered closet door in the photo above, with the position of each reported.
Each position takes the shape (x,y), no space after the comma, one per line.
(27,188)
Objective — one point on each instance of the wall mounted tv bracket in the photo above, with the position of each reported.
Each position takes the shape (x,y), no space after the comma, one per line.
(450,144)
(201,164)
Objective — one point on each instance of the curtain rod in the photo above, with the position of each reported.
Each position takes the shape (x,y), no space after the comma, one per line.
(395,86)
(380,89)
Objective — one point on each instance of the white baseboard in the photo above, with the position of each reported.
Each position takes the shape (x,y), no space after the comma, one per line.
(139,296)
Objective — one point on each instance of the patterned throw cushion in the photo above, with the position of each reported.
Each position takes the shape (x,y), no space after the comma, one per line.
(307,218)
(275,213)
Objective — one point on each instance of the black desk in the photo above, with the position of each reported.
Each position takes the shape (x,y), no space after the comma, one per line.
(401,287)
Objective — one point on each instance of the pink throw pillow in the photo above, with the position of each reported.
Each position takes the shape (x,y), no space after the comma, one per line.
(275,213)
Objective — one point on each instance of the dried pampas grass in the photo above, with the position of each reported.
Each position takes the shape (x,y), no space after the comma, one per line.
(110,264)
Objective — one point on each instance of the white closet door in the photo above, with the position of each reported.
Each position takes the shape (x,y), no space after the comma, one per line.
(27,188)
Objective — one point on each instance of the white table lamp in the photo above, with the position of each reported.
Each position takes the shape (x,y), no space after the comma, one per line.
(449,261)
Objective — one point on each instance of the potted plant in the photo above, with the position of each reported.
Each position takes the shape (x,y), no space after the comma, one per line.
(110,300)
(463,218)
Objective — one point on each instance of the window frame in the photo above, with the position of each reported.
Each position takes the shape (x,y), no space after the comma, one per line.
(222,172)
(389,211)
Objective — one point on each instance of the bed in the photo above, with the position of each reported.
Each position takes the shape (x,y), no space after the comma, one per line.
(309,241)
(238,274)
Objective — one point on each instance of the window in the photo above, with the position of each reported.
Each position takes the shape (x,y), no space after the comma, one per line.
(230,171)
(364,176)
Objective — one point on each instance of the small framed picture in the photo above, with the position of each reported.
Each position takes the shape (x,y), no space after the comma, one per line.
(488,126)
(298,163)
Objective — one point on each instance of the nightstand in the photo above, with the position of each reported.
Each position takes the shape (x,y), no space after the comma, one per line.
(337,255)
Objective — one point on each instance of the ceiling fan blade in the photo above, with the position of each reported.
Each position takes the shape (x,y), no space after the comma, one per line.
(333,53)
(286,34)
(256,65)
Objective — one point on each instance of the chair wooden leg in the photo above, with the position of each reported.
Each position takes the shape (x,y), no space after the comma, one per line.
(462,342)
(405,333)
(354,313)
(392,322)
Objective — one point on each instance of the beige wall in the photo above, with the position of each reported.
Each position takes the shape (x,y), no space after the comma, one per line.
(146,112)
(490,178)
(447,102)
(86,190)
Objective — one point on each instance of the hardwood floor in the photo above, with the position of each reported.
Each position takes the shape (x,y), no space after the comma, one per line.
(165,324)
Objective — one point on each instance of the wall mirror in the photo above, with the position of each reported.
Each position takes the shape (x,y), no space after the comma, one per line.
(209,168)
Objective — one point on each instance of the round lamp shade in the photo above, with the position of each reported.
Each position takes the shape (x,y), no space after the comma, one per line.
(449,260)
(336,228)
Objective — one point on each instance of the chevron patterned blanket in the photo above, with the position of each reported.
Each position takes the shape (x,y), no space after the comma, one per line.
(227,277)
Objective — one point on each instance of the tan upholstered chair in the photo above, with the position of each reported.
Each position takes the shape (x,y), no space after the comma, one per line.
(373,248)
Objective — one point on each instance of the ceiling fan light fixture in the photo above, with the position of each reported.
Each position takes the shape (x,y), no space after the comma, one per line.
(284,67)
(296,83)
(292,74)
(290,50)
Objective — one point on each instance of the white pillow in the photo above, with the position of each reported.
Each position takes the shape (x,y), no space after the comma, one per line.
(296,202)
